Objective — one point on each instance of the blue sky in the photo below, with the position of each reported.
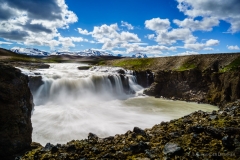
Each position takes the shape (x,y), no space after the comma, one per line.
(154,27)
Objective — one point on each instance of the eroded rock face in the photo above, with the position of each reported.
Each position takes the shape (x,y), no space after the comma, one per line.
(15,112)
(144,78)
(195,85)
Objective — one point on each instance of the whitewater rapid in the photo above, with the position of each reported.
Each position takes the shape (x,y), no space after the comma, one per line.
(71,103)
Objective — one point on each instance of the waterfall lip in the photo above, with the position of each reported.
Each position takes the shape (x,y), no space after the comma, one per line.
(65,80)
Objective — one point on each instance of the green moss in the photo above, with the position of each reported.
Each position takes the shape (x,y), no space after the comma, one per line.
(136,64)
(234,65)
(186,66)
(219,123)
(101,63)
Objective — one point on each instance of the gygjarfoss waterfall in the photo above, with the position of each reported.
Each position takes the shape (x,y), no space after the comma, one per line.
(70,103)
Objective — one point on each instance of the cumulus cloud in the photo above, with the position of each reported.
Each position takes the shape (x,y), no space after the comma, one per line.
(84,32)
(171,37)
(200,46)
(167,36)
(157,24)
(150,36)
(188,53)
(155,49)
(215,9)
(111,36)
(34,22)
(205,24)
(128,25)
(212,42)
(233,47)
(34,8)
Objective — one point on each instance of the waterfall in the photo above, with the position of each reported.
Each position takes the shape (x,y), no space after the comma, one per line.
(70,103)
(62,84)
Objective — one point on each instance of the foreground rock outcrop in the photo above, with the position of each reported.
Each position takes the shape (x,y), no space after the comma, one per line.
(15,112)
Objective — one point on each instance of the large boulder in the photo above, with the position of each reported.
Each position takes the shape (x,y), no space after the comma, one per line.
(15,112)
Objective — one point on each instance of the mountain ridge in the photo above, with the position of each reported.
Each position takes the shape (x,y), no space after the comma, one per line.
(37,52)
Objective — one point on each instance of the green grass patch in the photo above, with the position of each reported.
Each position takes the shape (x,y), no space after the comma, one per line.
(23,59)
(101,62)
(186,66)
(233,66)
(136,64)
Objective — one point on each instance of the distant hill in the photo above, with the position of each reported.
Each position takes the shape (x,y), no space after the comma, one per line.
(29,51)
(9,53)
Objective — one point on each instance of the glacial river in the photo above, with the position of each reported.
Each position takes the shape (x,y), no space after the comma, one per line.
(71,103)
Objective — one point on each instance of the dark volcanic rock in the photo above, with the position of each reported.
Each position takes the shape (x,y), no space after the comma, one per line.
(144,78)
(35,82)
(196,85)
(15,111)
(84,67)
(172,149)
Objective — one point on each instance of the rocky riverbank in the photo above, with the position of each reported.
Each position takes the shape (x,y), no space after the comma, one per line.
(199,135)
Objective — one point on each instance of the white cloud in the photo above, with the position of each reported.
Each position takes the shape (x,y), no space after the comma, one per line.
(208,49)
(157,24)
(111,36)
(227,10)
(28,23)
(233,47)
(67,42)
(126,24)
(164,35)
(1,42)
(150,36)
(175,35)
(188,53)
(84,32)
(205,24)
(200,46)
(212,42)
(141,44)
(155,49)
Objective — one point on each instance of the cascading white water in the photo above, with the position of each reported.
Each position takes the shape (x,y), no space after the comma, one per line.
(71,103)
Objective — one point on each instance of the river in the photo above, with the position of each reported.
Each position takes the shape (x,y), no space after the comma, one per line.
(71,103)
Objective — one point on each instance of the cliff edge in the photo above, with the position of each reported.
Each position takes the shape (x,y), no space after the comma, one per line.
(15,112)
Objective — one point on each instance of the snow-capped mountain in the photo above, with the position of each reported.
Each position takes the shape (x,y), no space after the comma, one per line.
(29,51)
(88,52)
(37,52)
(139,55)
(96,53)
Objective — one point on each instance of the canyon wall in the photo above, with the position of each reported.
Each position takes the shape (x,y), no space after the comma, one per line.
(194,85)
(15,112)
